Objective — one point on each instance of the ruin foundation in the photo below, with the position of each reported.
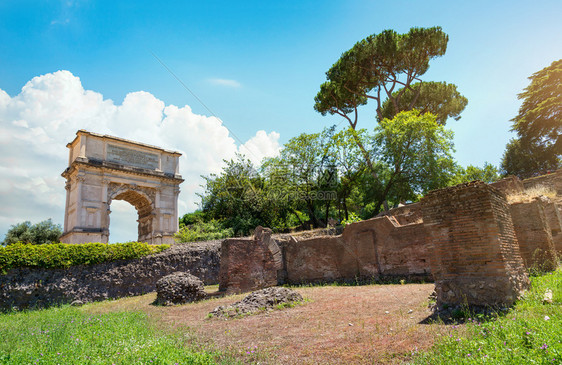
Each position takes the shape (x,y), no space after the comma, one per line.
(475,258)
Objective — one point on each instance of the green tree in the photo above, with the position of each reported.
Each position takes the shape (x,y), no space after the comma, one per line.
(345,154)
(235,197)
(417,154)
(539,122)
(39,233)
(525,159)
(303,171)
(439,98)
(386,68)
(488,173)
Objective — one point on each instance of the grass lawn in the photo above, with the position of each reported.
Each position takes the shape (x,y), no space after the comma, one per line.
(69,335)
(369,324)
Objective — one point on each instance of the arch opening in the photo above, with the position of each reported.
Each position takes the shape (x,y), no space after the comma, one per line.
(145,212)
(123,222)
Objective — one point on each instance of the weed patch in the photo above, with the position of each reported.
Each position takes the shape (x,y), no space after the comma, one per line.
(530,333)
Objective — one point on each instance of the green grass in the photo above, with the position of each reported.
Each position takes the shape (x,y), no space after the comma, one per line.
(68,335)
(531,333)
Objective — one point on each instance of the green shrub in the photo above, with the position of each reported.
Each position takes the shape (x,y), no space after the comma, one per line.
(62,255)
(203,231)
(352,218)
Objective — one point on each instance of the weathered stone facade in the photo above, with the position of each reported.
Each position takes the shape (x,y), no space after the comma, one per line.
(534,235)
(249,264)
(475,257)
(104,168)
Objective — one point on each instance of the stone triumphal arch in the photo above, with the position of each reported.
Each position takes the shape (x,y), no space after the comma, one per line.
(104,168)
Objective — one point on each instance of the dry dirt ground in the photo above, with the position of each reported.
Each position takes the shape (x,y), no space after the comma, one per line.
(371,324)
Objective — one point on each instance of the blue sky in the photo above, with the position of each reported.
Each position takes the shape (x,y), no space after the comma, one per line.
(256,65)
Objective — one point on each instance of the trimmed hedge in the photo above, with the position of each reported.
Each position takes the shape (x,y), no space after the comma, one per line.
(63,255)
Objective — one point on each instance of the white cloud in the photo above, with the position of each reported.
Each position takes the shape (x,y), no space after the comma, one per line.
(36,125)
(225,82)
(260,146)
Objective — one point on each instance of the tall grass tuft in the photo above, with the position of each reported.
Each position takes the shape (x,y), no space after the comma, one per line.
(531,193)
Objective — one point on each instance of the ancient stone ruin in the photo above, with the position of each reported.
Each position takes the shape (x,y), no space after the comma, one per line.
(249,263)
(534,234)
(475,256)
(105,168)
(376,248)
(469,239)
(476,241)
(260,300)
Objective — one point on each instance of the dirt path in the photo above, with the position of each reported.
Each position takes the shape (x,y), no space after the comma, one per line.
(336,325)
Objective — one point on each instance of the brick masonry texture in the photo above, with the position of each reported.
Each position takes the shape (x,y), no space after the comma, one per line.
(534,234)
(249,264)
(475,256)
(372,249)
(552,180)
(554,220)
(509,185)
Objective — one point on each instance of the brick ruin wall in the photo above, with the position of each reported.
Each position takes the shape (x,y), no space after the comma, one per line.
(377,248)
(398,245)
(552,181)
(534,234)
(509,185)
(248,264)
(475,256)
(554,220)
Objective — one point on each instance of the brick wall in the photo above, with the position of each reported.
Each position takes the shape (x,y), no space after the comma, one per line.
(554,220)
(375,248)
(509,185)
(552,180)
(475,257)
(534,234)
(249,263)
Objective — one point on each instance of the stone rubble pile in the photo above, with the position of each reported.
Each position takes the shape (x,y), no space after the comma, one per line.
(263,299)
(179,288)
